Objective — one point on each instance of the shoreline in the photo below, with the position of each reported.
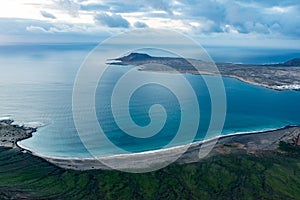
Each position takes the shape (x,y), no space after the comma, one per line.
(11,134)
(153,158)
(279,76)
(167,149)
(141,160)
(272,87)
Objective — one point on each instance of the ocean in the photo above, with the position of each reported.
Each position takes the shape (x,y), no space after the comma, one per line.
(36,85)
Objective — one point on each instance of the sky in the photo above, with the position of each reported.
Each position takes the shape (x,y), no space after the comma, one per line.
(211,22)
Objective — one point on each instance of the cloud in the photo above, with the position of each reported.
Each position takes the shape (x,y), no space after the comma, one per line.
(128,6)
(29,26)
(70,6)
(165,5)
(113,6)
(246,18)
(28,30)
(113,20)
(206,17)
(93,7)
(49,28)
(21,26)
(205,26)
(255,16)
(139,24)
(47,15)
(36,29)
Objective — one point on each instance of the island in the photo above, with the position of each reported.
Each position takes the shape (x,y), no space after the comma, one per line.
(280,76)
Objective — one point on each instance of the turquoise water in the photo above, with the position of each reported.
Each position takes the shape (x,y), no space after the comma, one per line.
(36,87)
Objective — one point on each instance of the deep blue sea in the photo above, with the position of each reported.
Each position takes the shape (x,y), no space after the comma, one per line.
(36,84)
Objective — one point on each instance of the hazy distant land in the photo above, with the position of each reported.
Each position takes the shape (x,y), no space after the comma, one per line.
(281,76)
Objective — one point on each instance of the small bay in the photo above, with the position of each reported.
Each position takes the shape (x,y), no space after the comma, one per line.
(36,88)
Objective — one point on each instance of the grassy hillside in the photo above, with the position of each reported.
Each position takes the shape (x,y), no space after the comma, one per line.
(268,176)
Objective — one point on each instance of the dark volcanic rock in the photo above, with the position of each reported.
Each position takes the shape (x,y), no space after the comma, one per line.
(11,134)
(293,62)
(251,143)
(7,121)
(134,57)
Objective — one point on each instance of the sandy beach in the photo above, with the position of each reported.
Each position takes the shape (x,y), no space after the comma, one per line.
(252,143)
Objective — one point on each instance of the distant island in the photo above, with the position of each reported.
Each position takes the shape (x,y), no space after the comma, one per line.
(281,76)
